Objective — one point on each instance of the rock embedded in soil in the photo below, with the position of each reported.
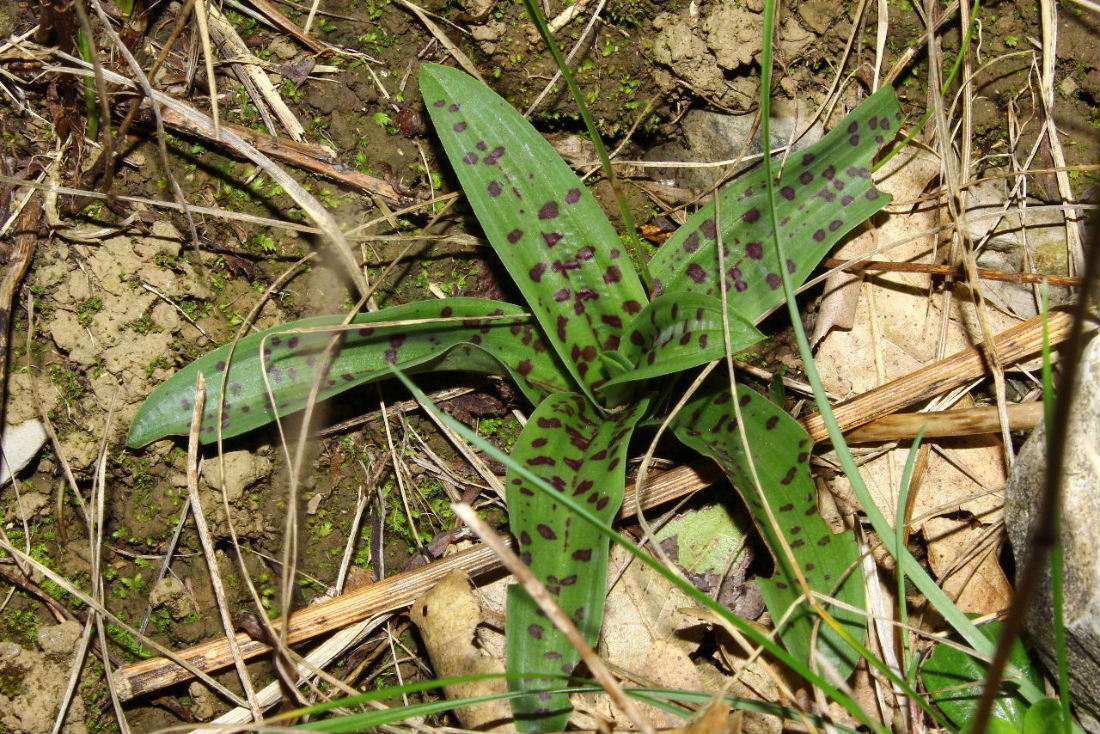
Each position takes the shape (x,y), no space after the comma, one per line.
(1080,522)
(242,470)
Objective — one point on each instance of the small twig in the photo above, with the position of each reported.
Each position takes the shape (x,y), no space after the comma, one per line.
(207,541)
(950,271)
(541,595)
(1019,342)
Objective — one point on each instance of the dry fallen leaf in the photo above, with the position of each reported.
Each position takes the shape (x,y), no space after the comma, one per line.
(447,617)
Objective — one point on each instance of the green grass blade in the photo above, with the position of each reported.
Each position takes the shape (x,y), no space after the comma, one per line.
(410,336)
(547,229)
(924,582)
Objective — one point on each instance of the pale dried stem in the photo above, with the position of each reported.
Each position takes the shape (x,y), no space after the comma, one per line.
(206,540)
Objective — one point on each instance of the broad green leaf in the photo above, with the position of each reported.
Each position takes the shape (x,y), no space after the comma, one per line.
(547,230)
(677,332)
(448,334)
(954,681)
(1044,715)
(780,451)
(581,452)
(825,190)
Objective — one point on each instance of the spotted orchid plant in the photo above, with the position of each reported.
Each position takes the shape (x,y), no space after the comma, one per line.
(596,355)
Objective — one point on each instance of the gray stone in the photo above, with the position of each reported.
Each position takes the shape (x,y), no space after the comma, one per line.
(1080,532)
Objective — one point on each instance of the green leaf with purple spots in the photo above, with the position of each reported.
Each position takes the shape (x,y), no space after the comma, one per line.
(678,332)
(825,191)
(580,451)
(461,334)
(780,451)
(547,230)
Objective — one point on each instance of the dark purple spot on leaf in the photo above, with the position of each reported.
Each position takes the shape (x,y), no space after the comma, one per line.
(470,158)
(495,188)
(751,216)
(772,422)
(536,271)
(632,306)
(808,158)
(438,103)
(853,140)
(695,272)
(806,177)
(708,229)
(572,196)
(612,274)
(459,127)
(541,461)
(847,200)
(774,281)
(819,235)
(835,225)
(586,253)
(825,541)
(754,250)
(535,630)
(787,193)
(546,532)
(871,195)
(549,210)
(552,238)
(454,107)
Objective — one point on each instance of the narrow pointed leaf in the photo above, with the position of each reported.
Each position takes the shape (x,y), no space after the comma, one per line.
(677,332)
(825,190)
(548,231)
(780,450)
(292,356)
(581,452)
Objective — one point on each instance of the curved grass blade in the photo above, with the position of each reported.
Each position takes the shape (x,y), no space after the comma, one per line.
(548,231)
(291,356)
(824,192)
(582,454)
(780,452)
(677,332)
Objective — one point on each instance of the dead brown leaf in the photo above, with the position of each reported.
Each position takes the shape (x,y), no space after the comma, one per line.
(447,617)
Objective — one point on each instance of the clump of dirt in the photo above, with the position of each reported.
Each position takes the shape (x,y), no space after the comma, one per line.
(114,330)
(33,682)
(714,51)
